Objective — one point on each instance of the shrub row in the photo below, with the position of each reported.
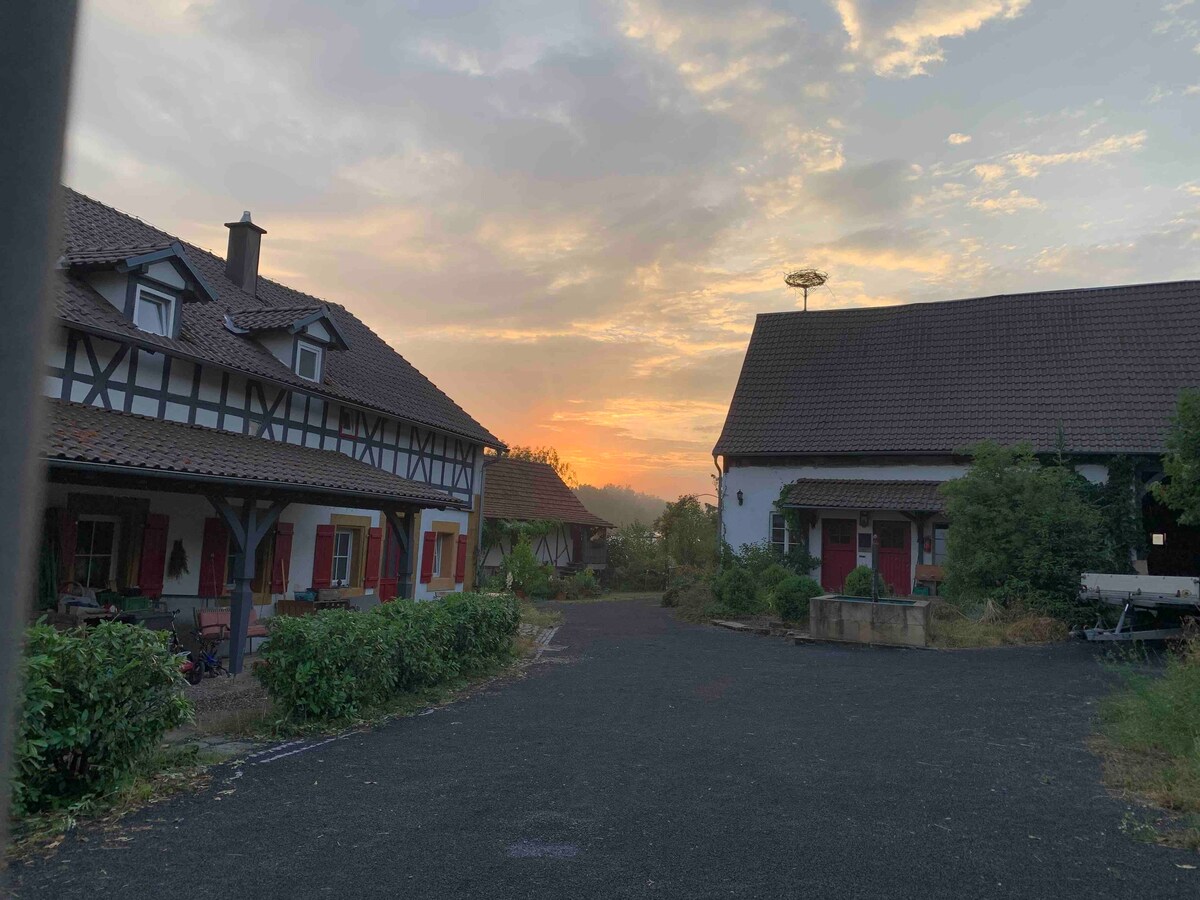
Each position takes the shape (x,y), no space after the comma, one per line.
(339,663)
(96,703)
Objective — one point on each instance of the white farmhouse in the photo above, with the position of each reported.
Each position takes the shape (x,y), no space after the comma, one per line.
(202,412)
(856,417)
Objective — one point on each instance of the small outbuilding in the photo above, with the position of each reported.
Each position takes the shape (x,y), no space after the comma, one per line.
(562,532)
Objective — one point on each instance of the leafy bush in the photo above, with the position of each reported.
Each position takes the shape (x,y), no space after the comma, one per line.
(1022,532)
(790,597)
(586,583)
(96,703)
(858,583)
(482,628)
(694,602)
(330,665)
(339,663)
(525,572)
(770,577)
(635,558)
(737,591)
(762,555)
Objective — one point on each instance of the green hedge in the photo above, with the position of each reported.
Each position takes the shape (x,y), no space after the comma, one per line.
(339,663)
(96,702)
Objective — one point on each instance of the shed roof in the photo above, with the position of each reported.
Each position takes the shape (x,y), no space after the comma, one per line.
(90,437)
(532,491)
(861,493)
(1104,364)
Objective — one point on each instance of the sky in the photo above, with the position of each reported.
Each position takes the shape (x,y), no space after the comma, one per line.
(567,213)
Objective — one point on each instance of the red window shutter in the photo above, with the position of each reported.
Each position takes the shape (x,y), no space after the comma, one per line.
(154,555)
(213,552)
(460,561)
(429,547)
(323,557)
(68,530)
(371,563)
(281,564)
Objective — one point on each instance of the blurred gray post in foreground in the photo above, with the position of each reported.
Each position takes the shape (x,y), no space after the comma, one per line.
(36,42)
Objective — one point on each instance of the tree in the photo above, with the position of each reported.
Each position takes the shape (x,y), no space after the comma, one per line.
(1020,531)
(550,457)
(1181,464)
(689,532)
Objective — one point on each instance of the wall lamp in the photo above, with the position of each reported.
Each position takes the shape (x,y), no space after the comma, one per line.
(740,497)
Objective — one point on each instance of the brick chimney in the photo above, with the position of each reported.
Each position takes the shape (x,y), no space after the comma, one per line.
(241,262)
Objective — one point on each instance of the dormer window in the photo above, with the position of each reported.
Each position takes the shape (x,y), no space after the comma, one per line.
(153,311)
(309,359)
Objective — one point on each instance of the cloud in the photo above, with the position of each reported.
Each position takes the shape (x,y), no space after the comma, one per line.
(1013,201)
(988,171)
(904,39)
(958,138)
(1030,165)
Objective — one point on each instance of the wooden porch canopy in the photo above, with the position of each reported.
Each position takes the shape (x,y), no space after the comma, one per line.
(91,445)
(866,494)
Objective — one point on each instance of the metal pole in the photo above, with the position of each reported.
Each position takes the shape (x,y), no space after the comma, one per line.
(36,41)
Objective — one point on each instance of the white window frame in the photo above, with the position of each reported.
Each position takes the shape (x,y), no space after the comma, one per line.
(347,557)
(317,350)
(112,550)
(771,532)
(439,547)
(933,550)
(158,297)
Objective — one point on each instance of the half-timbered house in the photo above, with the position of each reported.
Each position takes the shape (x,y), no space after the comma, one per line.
(567,536)
(856,417)
(265,441)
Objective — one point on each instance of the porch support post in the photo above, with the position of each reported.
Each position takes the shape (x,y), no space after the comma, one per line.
(402,527)
(248,525)
(920,519)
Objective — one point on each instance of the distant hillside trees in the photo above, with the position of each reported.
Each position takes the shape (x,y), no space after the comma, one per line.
(621,505)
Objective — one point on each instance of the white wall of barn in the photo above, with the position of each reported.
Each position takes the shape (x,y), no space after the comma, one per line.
(553,548)
(750,521)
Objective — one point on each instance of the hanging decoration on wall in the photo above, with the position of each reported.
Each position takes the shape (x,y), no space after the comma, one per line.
(177,564)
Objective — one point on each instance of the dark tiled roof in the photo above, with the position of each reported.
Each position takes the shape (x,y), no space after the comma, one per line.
(531,491)
(370,373)
(855,493)
(91,256)
(260,319)
(1105,363)
(89,434)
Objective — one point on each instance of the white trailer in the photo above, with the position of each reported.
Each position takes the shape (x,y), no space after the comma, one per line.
(1152,606)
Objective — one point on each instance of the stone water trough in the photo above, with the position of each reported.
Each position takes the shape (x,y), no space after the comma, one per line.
(861,620)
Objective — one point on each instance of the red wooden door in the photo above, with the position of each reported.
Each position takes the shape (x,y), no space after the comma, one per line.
(895,560)
(839,551)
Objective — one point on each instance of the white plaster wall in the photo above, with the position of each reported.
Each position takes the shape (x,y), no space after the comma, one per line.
(760,487)
(166,272)
(544,547)
(111,286)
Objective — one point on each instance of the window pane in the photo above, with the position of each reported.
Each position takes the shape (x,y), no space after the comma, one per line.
(83,538)
(102,537)
(151,314)
(308,362)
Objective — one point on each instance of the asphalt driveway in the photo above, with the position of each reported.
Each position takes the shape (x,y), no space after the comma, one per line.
(656,759)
